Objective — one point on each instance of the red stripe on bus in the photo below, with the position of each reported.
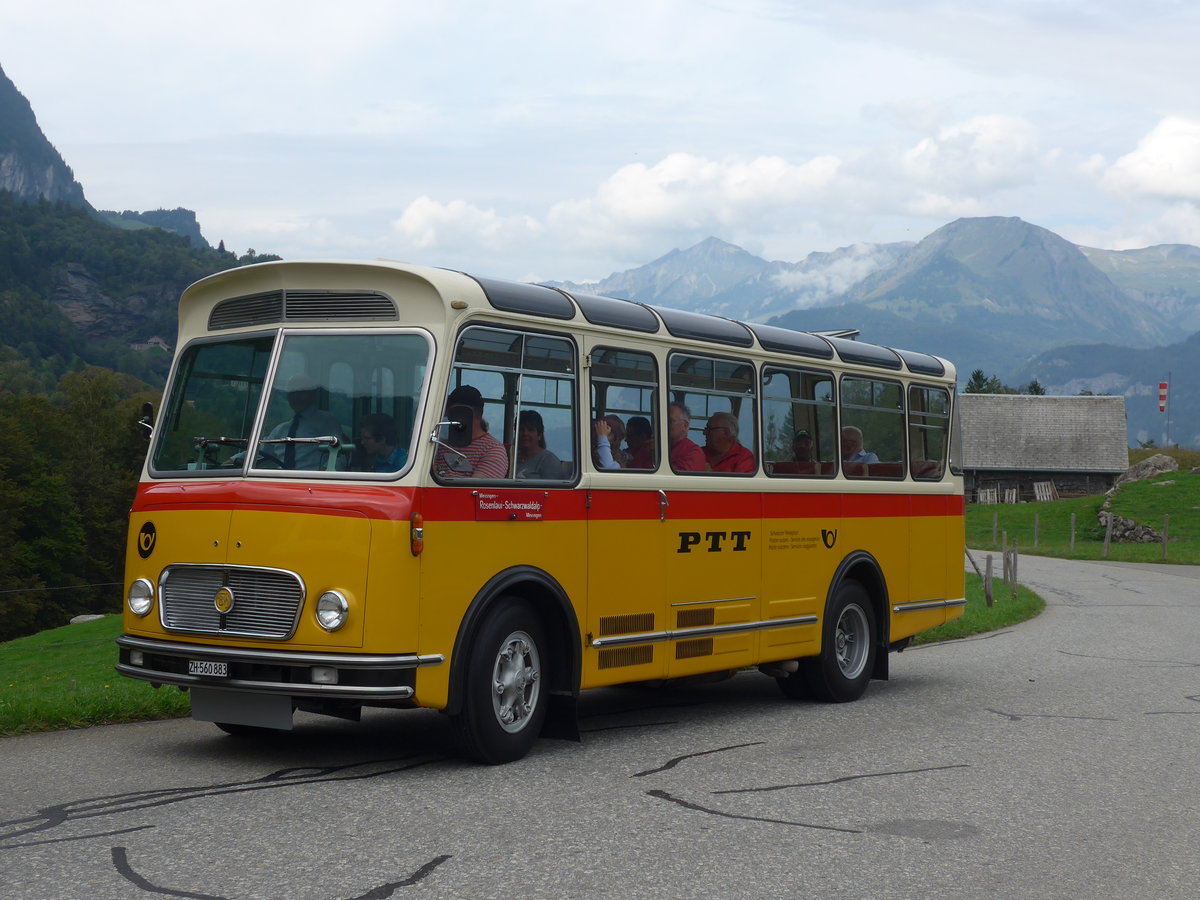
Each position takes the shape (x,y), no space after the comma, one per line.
(372,501)
(460,504)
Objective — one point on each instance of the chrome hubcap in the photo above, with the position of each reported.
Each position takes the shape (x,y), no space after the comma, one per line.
(516,681)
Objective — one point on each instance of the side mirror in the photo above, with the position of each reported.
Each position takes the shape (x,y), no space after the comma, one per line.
(460,426)
(147,420)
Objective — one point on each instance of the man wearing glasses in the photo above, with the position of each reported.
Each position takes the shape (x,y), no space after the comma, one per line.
(722,451)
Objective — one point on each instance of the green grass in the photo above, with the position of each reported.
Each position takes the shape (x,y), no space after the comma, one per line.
(978,617)
(64,678)
(1176,494)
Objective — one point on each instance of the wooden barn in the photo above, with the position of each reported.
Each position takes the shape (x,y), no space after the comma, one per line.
(1013,442)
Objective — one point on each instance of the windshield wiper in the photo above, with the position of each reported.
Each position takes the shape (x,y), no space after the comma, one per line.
(203,442)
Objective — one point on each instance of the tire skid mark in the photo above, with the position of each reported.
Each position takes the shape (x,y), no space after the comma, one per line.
(1017,717)
(120,858)
(663,795)
(53,816)
(672,763)
(842,780)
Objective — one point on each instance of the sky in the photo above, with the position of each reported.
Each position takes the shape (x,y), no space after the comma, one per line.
(567,140)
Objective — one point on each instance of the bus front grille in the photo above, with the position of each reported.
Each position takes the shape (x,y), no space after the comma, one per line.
(266,602)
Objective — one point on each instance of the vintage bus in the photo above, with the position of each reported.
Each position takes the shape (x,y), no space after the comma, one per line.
(382,485)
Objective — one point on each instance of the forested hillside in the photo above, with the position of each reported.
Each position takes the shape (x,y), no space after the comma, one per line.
(75,290)
(78,300)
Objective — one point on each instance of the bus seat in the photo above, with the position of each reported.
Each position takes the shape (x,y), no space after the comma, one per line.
(791,467)
(854,469)
(886,470)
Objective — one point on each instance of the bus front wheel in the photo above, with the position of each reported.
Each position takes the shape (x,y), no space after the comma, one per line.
(842,670)
(504,704)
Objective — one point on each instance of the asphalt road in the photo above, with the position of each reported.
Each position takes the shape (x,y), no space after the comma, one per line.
(1055,759)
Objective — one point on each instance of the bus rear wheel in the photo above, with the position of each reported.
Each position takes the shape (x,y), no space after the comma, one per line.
(843,669)
(504,704)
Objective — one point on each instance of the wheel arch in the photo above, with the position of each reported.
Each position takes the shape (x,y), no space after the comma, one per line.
(864,568)
(553,606)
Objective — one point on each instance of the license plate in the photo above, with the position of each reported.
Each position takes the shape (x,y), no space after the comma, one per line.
(207,667)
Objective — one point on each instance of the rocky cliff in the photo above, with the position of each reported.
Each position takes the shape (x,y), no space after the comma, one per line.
(30,167)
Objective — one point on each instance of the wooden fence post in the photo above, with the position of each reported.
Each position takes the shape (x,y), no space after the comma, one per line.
(1072,532)
(995,522)
(987,582)
(1107,532)
(1166,528)
(1036,522)
(1013,571)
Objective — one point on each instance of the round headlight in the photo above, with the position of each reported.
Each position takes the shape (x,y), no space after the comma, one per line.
(332,610)
(141,597)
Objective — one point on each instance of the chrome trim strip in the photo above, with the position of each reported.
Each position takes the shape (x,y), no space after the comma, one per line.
(928,604)
(679,634)
(362,692)
(252,655)
(706,602)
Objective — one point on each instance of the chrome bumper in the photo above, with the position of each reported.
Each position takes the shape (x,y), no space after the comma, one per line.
(365,677)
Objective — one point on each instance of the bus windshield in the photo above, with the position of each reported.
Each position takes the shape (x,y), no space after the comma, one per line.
(336,404)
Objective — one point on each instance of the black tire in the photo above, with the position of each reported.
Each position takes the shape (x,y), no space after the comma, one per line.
(504,689)
(841,672)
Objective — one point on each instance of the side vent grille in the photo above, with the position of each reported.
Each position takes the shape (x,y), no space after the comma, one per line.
(303,306)
(693,618)
(628,624)
(616,657)
(692,649)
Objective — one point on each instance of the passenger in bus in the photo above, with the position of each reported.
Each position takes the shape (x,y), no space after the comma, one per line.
(378,438)
(307,422)
(852,446)
(639,438)
(607,452)
(722,451)
(685,454)
(802,447)
(484,457)
(533,459)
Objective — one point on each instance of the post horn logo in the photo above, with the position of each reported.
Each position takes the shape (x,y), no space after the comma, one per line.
(223,600)
(146,539)
(828,537)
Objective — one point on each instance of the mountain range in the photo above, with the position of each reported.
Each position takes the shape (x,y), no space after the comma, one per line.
(995,293)
(992,293)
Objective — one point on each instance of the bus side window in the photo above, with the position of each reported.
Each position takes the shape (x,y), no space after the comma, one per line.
(720,395)
(523,386)
(799,419)
(928,427)
(624,387)
(872,432)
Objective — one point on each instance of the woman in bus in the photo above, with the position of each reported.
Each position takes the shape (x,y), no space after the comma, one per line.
(607,453)
(639,438)
(533,459)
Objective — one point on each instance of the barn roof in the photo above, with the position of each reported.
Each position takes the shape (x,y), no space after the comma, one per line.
(1031,433)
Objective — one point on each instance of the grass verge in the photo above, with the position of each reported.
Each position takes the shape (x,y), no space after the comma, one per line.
(64,678)
(978,617)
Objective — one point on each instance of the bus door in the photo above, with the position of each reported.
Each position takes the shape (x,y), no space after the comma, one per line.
(627,609)
(713,547)
(936,527)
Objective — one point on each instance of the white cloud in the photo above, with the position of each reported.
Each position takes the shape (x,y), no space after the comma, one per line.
(1165,164)
(428,224)
(982,154)
(690,196)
